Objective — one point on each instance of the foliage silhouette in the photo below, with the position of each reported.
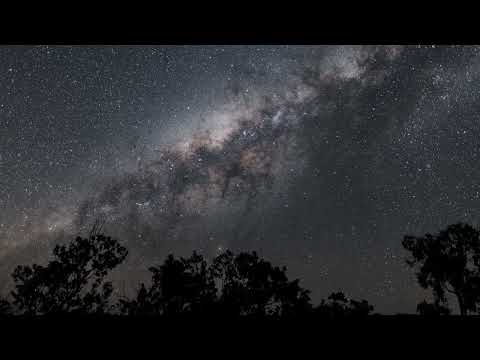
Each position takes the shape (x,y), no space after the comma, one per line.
(232,285)
(248,286)
(179,287)
(253,287)
(432,309)
(73,282)
(5,307)
(339,306)
(448,263)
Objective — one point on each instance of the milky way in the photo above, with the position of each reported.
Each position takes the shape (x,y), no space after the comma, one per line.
(319,157)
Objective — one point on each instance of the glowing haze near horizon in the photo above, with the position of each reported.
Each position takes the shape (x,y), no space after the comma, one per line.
(319,157)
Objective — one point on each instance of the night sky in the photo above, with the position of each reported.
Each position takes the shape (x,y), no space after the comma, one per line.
(321,158)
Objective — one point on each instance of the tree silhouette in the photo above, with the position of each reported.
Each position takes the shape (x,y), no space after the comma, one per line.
(339,306)
(248,286)
(73,281)
(252,286)
(429,309)
(179,286)
(231,286)
(448,263)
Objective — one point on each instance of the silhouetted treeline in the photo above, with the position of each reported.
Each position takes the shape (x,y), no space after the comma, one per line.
(231,285)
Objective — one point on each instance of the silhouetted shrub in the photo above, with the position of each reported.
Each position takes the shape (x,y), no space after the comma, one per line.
(72,282)
(5,307)
(339,306)
(429,309)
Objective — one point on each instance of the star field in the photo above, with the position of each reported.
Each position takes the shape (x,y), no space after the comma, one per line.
(319,157)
